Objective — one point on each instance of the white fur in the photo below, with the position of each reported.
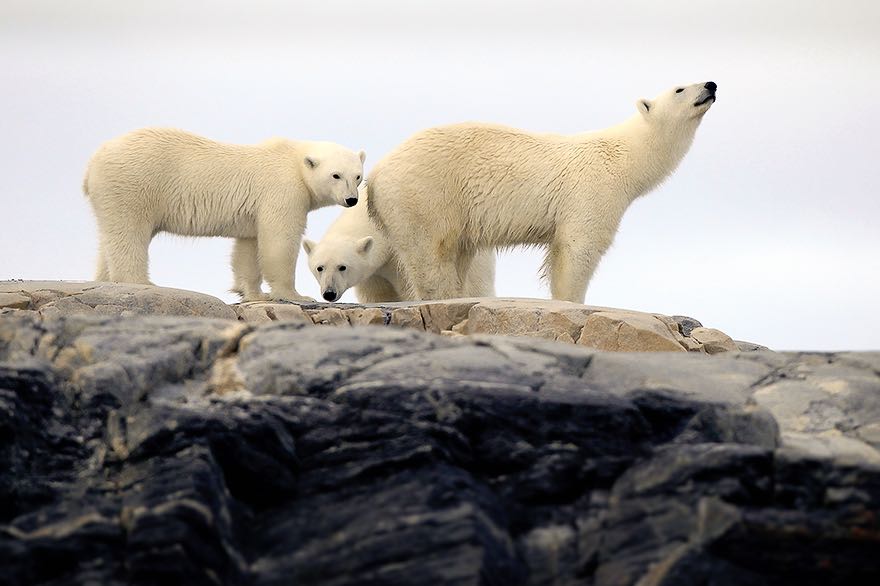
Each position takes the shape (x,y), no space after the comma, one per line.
(449,191)
(353,241)
(164,180)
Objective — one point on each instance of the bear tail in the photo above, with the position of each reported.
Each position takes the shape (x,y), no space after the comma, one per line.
(85,185)
(372,209)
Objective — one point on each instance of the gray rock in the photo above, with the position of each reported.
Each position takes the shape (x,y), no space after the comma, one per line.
(64,298)
(749,346)
(183,450)
(714,378)
(686,324)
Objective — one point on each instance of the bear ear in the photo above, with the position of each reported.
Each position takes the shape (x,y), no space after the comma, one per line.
(308,245)
(364,245)
(644,106)
(311,162)
(363,156)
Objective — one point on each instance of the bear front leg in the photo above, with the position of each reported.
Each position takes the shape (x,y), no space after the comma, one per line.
(278,247)
(246,270)
(572,264)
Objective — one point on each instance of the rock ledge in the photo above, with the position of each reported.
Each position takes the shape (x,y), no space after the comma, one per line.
(600,328)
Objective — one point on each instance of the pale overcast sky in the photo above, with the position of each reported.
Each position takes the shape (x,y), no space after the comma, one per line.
(768,230)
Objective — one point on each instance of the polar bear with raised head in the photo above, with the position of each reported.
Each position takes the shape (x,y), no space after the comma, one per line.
(355,253)
(164,180)
(450,191)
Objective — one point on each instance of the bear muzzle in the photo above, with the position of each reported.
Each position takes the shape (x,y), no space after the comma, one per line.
(330,294)
(708,94)
(350,201)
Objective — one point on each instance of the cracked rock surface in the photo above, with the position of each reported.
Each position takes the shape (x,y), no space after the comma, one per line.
(182,450)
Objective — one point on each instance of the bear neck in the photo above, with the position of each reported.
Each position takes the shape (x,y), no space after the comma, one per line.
(291,154)
(654,152)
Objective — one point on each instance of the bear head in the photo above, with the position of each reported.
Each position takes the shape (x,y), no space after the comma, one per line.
(333,173)
(682,105)
(339,264)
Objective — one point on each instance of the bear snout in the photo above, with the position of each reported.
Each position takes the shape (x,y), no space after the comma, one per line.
(711,86)
(350,201)
(330,295)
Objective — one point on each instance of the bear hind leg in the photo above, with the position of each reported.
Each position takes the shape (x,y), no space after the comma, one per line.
(479,281)
(431,275)
(126,252)
(376,290)
(102,272)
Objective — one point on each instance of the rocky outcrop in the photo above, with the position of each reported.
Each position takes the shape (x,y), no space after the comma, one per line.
(56,298)
(595,327)
(170,450)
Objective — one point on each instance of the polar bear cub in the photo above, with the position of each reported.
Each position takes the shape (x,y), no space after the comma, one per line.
(355,253)
(450,191)
(165,180)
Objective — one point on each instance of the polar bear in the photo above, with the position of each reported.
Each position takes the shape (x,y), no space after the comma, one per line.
(166,180)
(449,191)
(355,253)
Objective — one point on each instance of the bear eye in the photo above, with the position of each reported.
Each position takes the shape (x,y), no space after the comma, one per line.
(679,90)
(358,178)
(320,269)
(336,176)
(341,267)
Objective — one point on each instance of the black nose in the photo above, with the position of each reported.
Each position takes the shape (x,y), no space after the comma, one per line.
(711,86)
(330,295)
(350,201)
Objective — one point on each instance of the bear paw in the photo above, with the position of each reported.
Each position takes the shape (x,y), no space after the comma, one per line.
(294,297)
(254,297)
(246,296)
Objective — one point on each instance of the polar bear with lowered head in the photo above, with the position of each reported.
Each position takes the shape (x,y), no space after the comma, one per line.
(450,191)
(165,180)
(355,253)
